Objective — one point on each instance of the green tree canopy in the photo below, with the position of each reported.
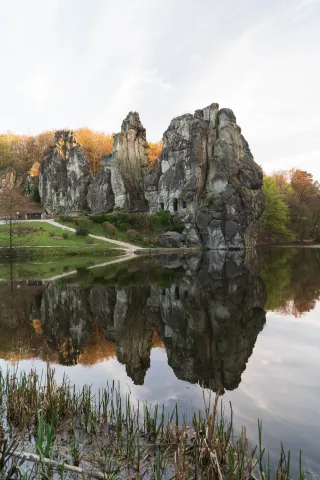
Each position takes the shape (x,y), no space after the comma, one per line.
(276,215)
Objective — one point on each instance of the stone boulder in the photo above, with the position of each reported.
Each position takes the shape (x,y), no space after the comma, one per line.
(207,176)
(100,194)
(64,176)
(128,165)
(170,239)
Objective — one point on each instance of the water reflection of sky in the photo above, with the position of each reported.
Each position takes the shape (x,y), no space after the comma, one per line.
(280,386)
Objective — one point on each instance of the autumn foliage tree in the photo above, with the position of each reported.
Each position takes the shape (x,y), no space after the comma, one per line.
(154,149)
(95,144)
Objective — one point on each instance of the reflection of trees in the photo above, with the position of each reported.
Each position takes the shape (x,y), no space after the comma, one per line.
(292,278)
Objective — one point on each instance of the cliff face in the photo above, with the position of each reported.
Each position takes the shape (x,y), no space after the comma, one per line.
(64,176)
(207,176)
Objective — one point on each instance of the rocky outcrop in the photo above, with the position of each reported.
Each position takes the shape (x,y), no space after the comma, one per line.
(207,176)
(170,239)
(100,194)
(128,165)
(64,176)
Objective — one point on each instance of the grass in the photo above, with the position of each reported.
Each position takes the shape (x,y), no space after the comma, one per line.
(43,234)
(107,437)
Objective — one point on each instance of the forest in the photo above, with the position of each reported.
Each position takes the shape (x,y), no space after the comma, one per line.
(292,197)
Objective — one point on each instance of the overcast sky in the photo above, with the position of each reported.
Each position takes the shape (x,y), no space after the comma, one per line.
(73,63)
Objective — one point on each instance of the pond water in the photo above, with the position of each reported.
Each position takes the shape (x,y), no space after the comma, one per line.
(245,323)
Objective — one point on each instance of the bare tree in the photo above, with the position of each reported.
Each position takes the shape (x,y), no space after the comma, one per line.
(11,201)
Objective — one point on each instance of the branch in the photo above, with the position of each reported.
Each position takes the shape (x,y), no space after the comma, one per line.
(32,457)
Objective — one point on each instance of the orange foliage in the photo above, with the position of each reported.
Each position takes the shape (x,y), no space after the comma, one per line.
(95,144)
(154,150)
(37,325)
(98,349)
(156,340)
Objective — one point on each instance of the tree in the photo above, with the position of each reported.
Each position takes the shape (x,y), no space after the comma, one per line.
(276,216)
(154,150)
(11,202)
(303,186)
(95,145)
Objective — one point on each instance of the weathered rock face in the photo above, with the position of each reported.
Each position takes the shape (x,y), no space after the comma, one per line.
(206,174)
(100,193)
(64,176)
(128,165)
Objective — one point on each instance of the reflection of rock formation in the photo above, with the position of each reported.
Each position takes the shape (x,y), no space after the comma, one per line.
(208,312)
(66,320)
(210,320)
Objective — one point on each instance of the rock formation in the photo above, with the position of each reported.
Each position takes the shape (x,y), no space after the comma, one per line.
(128,165)
(100,193)
(206,176)
(64,176)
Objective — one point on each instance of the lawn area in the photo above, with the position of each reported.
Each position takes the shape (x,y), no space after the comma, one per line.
(43,234)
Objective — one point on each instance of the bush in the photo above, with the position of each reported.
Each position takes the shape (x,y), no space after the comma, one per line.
(83,226)
(89,241)
(66,218)
(177,227)
(51,234)
(163,218)
(65,235)
(133,234)
(109,228)
(36,195)
(123,226)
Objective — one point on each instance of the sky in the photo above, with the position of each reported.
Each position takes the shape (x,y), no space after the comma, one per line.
(75,63)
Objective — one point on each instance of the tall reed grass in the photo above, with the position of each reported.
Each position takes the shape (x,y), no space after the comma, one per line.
(105,436)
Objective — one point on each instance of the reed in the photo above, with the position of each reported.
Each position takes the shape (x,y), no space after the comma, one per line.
(105,436)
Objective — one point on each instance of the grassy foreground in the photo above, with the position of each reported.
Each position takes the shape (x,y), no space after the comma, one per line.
(54,431)
(42,234)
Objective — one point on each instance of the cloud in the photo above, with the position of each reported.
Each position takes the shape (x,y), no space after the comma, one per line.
(82,63)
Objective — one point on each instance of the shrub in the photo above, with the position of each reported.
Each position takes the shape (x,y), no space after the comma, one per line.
(65,235)
(109,228)
(133,234)
(83,226)
(51,234)
(66,218)
(163,218)
(36,195)
(177,227)
(89,241)
(123,226)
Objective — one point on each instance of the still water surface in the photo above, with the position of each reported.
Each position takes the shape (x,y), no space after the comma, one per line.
(162,327)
